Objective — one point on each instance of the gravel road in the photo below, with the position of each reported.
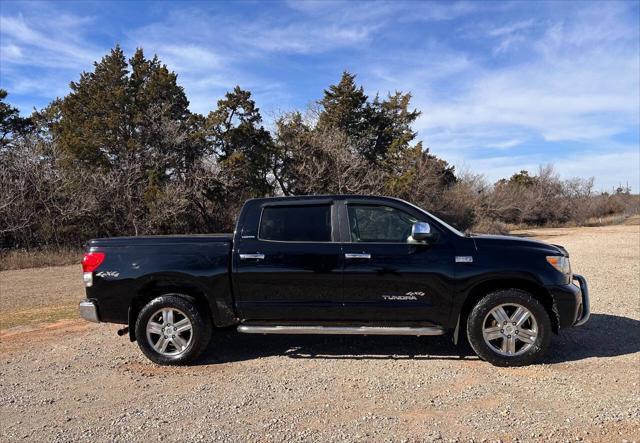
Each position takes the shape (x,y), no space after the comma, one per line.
(73,380)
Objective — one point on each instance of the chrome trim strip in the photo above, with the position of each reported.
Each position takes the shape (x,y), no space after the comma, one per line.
(89,311)
(464,259)
(363,255)
(341,330)
(257,256)
(586,308)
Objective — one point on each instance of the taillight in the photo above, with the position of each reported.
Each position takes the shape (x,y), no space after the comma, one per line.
(91,261)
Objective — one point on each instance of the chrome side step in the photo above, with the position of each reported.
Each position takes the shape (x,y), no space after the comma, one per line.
(340,330)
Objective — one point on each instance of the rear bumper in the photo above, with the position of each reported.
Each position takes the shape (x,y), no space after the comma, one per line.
(572,302)
(89,310)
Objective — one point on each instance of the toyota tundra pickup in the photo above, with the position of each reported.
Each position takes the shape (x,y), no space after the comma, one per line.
(339,264)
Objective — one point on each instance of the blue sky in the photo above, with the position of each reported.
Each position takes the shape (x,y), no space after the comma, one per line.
(503,86)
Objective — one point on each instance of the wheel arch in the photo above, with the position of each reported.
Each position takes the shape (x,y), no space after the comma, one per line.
(184,289)
(480,290)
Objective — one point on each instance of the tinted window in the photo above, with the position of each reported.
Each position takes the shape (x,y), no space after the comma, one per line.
(379,224)
(296,223)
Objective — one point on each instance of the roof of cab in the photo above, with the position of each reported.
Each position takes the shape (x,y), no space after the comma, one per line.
(323,197)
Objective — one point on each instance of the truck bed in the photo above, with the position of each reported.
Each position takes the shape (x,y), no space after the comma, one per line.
(136,269)
(160,240)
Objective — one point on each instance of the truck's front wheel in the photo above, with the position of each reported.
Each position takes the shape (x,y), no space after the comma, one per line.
(171,330)
(509,328)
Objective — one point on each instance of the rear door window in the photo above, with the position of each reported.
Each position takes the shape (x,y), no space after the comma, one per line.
(308,223)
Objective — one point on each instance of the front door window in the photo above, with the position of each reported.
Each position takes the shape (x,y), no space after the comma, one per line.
(379,224)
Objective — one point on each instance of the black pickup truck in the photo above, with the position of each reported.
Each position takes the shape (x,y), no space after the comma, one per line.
(339,264)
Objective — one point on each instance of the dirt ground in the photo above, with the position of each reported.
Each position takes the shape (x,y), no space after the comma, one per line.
(32,296)
(72,380)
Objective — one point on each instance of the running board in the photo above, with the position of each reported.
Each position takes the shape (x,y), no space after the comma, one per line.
(341,330)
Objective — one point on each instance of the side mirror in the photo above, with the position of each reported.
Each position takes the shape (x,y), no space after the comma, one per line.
(421,231)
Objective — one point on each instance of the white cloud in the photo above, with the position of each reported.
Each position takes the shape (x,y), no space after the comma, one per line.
(434,12)
(610,170)
(574,79)
(11,51)
(41,52)
(511,28)
(506,144)
(301,38)
(590,93)
(220,52)
(189,57)
(490,86)
(47,42)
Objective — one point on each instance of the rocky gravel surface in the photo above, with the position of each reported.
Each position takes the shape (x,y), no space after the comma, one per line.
(74,381)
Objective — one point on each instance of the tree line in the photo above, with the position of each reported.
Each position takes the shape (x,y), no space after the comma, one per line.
(122,154)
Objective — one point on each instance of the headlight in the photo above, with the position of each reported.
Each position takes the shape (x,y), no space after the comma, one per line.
(560,262)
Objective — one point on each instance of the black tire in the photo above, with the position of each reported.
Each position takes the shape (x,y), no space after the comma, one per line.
(479,317)
(197,337)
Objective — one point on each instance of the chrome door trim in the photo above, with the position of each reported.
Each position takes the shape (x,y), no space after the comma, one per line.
(256,256)
(356,255)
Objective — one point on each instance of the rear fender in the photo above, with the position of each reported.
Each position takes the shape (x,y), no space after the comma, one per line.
(212,304)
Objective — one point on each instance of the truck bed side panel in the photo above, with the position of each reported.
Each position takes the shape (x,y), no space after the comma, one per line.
(130,274)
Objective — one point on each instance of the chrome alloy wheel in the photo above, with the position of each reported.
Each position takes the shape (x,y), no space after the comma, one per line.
(169,331)
(510,329)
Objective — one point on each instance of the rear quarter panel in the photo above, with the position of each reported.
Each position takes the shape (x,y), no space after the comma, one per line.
(137,271)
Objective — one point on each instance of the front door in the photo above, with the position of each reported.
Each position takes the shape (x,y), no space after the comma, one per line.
(292,268)
(388,277)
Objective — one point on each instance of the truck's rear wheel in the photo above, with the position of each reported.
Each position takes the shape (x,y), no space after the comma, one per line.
(171,330)
(509,328)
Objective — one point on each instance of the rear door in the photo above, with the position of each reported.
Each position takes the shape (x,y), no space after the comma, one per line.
(290,267)
(389,277)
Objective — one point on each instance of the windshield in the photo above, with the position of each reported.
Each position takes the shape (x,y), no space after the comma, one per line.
(442,222)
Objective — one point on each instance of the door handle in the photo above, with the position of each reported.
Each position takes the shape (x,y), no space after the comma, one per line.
(256,256)
(363,255)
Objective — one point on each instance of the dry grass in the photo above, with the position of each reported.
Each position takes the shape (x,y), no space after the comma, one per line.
(32,296)
(609,220)
(616,219)
(38,258)
(38,316)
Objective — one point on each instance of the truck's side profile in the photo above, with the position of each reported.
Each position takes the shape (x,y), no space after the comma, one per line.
(335,265)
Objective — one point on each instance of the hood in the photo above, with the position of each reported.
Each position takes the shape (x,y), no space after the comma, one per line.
(512,241)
